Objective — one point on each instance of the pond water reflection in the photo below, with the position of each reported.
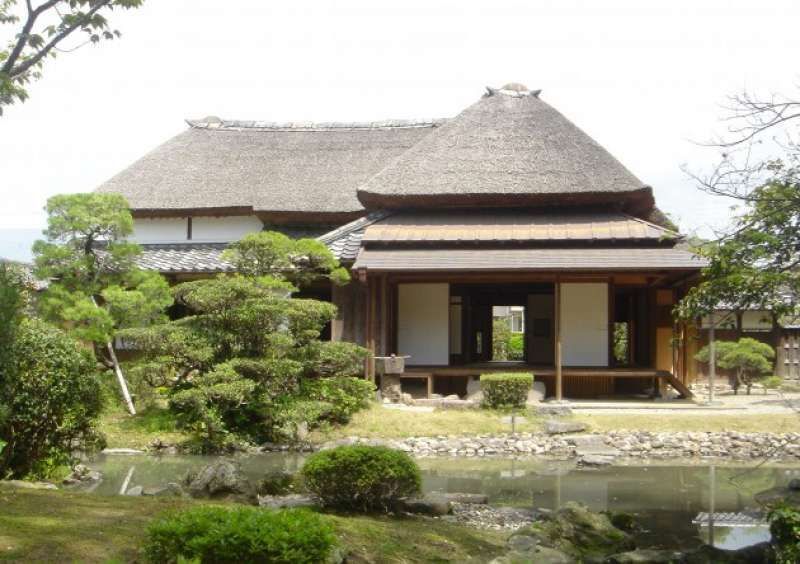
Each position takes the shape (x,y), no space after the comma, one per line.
(665,498)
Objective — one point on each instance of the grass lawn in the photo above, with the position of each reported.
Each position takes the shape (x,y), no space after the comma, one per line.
(702,421)
(50,526)
(124,431)
(380,422)
(154,422)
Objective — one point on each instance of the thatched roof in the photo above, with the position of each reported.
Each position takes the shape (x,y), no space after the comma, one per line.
(508,149)
(281,170)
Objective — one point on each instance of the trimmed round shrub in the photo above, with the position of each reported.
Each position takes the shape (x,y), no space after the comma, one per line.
(361,478)
(506,390)
(242,534)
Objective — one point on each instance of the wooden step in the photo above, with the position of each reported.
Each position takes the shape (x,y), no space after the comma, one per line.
(677,384)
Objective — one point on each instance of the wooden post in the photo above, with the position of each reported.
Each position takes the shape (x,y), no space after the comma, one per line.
(712,360)
(383,319)
(369,334)
(557,323)
(372,295)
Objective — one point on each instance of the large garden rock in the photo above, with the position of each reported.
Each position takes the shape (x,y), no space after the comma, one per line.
(553,409)
(576,532)
(82,475)
(536,394)
(431,504)
(555,427)
(221,479)
(778,494)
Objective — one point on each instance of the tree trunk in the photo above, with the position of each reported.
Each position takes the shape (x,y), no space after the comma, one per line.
(123,385)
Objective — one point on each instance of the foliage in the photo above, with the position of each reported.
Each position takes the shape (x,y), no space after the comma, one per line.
(241,534)
(506,390)
(336,358)
(52,398)
(12,299)
(772,382)
(97,287)
(621,343)
(42,28)
(747,357)
(361,478)
(506,345)
(516,346)
(753,263)
(300,261)
(501,335)
(345,395)
(784,526)
(234,364)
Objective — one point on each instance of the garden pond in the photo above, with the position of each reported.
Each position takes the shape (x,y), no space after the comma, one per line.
(667,500)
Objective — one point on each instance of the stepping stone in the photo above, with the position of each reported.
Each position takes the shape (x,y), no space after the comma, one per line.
(553,427)
(595,460)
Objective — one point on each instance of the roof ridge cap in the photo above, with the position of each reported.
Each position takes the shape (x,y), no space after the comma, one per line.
(257,125)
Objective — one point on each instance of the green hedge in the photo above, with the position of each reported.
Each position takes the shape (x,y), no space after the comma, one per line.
(238,535)
(361,477)
(506,390)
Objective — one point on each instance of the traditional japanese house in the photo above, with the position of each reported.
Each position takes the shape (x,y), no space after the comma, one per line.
(442,222)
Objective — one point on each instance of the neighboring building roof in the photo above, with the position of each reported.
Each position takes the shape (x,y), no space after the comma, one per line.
(184,258)
(26,275)
(345,242)
(508,149)
(513,225)
(283,169)
(526,259)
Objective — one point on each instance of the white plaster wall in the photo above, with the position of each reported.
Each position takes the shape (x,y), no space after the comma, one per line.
(720,320)
(224,229)
(756,321)
(584,324)
(159,230)
(423,323)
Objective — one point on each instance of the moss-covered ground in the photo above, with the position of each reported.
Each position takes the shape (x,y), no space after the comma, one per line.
(56,526)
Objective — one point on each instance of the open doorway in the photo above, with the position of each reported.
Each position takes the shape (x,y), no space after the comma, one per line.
(508,333)
(502,323)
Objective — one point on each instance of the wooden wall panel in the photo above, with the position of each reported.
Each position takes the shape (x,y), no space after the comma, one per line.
(349,323)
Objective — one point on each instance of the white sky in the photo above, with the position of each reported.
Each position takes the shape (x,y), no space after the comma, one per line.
(646,79)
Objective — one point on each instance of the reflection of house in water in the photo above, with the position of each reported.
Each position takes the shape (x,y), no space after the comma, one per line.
(665,499)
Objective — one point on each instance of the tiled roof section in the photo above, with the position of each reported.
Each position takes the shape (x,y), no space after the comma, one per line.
(186,258)
(527,225)
(547,259)
(345,242)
